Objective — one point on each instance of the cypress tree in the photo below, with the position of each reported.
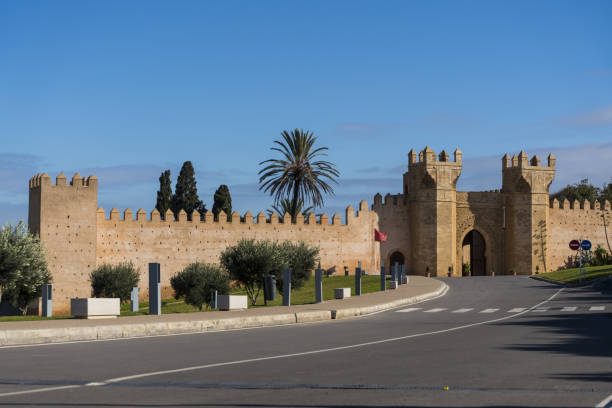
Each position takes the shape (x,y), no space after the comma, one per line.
(223,201)
(186,193)
(164,195)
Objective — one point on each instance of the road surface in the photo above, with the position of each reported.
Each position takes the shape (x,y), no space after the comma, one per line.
(490,341)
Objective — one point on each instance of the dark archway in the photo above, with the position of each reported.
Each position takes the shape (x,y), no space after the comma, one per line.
(474,247)
(398,257)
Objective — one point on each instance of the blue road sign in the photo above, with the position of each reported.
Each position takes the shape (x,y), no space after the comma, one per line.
(585,244)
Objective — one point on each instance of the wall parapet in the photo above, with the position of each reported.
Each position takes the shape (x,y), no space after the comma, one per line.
(60,181)
(236,219)
(523,161)
(585,205)
(428,156)
(390,200)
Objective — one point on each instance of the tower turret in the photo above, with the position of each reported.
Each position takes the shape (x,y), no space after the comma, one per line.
(430,189)
(525,187)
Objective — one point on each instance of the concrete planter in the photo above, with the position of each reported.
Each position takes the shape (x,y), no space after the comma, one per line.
(231,302)
(393,284)
(95,308)
(342,293)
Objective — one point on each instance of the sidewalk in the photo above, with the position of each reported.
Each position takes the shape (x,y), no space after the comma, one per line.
(56,331)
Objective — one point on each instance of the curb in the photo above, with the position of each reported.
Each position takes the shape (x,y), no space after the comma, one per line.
(360,311)
(574,285)
(125,331)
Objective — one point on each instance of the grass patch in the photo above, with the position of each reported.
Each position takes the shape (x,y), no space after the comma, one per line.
(574,275)
(304,295)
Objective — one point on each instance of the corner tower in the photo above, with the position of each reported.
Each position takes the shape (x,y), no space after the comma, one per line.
(525,189)
(64,215)
(430,189)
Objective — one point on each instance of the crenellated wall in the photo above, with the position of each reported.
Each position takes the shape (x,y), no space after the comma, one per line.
(577,220)
(79,236)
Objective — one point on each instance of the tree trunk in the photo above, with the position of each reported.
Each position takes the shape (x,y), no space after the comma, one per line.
(294,202)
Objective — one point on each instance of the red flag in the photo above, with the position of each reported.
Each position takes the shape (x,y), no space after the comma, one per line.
(379,236)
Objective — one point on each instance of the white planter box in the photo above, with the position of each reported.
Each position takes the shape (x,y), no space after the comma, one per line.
(231,302)
(392,284)
(342,293)
(95,308)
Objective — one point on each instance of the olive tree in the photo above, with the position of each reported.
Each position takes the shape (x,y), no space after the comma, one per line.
(248,261)
(23,268)
(114,281)
(196,282)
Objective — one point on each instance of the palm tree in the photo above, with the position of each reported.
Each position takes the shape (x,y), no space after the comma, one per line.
(296,176)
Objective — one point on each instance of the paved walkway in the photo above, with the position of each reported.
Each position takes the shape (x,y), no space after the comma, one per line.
(54,331)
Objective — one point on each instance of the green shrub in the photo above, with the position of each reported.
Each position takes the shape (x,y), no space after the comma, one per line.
(301,258)
(247,261)
(467,269)
(601,256)
(114,281)
(23,268)
(197,280)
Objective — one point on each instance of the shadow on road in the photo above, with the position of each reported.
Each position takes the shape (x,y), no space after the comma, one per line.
(78,404)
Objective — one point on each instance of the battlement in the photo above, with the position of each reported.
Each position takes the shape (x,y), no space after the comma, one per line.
(390,200)
(584,205)
(40,180)
(428,156)
(522,161)
(236,219)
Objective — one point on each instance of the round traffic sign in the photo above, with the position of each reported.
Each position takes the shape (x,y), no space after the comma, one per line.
(586,245)
(574,244)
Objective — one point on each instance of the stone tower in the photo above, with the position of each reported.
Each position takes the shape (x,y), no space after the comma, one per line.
(430,190)
(65,217)
(525,190)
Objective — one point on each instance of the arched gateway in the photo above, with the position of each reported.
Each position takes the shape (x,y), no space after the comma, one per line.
(473,250)
(396,258)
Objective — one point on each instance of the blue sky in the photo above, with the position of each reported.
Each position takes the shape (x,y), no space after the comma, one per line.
(125,90)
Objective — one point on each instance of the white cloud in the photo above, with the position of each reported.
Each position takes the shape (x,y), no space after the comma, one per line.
(599,117)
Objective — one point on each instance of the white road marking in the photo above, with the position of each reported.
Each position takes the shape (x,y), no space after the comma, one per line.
(64,387)
(281,356)
(410,309)
(541,309)
(489,311)
(606,403)
(596,308)
(517,309)
(569,309)
(435,310)
(462,310)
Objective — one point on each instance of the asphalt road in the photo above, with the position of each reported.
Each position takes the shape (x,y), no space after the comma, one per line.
(482,344)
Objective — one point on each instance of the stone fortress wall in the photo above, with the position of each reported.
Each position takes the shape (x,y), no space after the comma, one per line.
(517,227)
(576,220)
(78,236)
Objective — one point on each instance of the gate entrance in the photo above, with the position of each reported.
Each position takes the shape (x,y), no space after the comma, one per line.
(396,257)
(474,253)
